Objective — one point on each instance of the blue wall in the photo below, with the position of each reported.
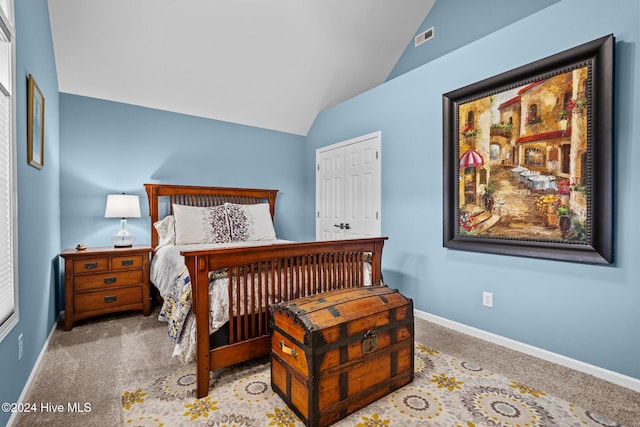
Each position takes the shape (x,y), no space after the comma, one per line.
(96,147)
(460,22)
(38,204)
(586,312)
(108,147)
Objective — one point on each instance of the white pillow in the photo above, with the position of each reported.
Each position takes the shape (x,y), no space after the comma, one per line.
(250,222)
(201,224)
(166,231)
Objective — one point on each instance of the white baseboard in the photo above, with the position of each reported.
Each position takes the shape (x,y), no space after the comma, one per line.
(605,374)
(23,396)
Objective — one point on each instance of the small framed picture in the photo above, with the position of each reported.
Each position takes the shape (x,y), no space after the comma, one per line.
(35,123)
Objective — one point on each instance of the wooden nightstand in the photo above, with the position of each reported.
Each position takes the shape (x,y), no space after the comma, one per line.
(105,280)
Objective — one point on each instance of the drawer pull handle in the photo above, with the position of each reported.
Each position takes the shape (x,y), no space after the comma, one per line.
(90,265)
(288,350)
(109,280)
(127,262)
(110,298)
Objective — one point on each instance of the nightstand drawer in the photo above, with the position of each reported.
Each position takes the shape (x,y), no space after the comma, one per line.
(90,265)
(107,280)
(107,299)
(126,262)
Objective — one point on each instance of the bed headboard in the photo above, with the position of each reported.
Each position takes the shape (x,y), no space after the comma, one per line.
(193,195)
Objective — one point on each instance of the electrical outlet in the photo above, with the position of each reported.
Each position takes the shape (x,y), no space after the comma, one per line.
(487,299)
(20,347)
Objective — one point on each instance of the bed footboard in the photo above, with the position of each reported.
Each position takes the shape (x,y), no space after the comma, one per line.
(263,275)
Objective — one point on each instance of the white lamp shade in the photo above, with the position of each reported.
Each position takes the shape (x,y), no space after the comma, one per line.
(122,206)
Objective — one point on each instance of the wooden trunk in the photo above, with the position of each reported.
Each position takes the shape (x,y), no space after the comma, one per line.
(336,352)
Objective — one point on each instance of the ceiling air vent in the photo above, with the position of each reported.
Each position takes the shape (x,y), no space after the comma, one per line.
(425,36)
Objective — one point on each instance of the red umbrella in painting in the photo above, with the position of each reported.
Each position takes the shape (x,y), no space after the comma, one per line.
(471,159)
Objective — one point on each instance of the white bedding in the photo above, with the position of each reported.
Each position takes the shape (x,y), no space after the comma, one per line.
(167,266)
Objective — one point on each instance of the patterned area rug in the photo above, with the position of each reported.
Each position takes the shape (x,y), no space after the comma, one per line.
(446,392)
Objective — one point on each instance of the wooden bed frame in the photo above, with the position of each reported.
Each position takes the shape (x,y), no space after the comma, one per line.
(289,270)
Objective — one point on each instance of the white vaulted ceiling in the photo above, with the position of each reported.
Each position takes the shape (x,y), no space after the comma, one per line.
(273,64)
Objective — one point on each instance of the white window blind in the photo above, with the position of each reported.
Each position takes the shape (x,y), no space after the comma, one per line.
(8,223)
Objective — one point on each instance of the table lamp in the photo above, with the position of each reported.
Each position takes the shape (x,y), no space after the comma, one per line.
(122,206)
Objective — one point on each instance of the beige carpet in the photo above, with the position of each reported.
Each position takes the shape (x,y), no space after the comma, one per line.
(102,358)
(446,392)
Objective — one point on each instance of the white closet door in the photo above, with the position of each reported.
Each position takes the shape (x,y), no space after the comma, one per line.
(348,189)
(329,195)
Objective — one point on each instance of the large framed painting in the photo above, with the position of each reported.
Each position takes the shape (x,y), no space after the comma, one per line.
(528,159)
